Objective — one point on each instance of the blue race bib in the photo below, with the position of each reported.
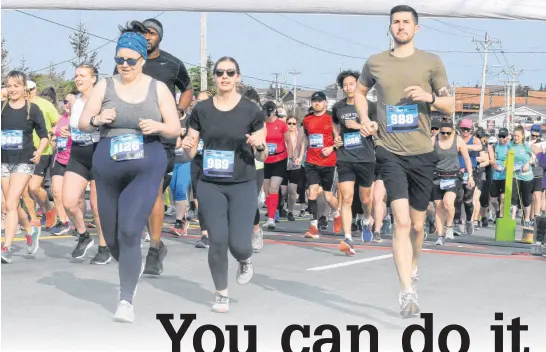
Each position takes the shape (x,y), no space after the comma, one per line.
(316,141)
(518,167)
(79,137)
(218,163)
(352,140)
(12,139)
(403,118)
(200,147)
(448,183)
(62,143)
(127,147)
(271,148)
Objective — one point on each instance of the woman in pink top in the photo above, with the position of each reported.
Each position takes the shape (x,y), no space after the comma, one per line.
(62,145)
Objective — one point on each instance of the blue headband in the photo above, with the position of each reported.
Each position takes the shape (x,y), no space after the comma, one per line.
(133,41)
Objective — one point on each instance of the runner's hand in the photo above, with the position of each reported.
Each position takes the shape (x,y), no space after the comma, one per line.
(327,151)
(338,142)
(64,131)
(149,126)
(471,183)
(352,124)
(35,158)
(368,128)
(254,140)
(106,116)
(418,94)
(525,168)
(188,143)
(298,161)
(178,143)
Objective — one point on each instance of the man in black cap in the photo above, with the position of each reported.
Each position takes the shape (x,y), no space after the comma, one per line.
(168,69)
(435,126)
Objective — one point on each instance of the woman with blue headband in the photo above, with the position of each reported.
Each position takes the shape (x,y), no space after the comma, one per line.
(131,111)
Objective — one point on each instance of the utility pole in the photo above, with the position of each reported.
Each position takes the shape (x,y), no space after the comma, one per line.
(485,44)
(511,91)
(204,73)
(276,87)
(295,74)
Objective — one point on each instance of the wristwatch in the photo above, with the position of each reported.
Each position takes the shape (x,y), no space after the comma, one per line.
(92,122)
(433,99)
(262,149)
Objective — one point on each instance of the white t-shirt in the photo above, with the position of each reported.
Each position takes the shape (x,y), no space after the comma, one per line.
(76,112)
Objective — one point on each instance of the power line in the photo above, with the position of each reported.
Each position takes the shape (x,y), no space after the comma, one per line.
(445,32)
(114,41)
(303,43)
(460,28)
(327,33)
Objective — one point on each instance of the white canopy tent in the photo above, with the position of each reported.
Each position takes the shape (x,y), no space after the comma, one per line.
(500,9)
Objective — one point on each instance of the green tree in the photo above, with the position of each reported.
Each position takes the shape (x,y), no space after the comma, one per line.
(195,75)
(23,67)
(79,40)
(56,80)
(5,61)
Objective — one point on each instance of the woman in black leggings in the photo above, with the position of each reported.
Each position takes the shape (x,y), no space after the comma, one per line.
(131,111)
(233,133)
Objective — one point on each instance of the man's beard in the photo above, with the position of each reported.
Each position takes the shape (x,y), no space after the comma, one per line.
(402,42)
(153,48)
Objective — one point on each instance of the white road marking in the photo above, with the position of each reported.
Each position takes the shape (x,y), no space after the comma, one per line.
(352,262)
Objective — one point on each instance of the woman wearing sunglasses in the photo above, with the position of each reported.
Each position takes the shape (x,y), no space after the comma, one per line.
(295,172)
(131,111)
(497,157)
(447,181)
(62,156)
(233,133)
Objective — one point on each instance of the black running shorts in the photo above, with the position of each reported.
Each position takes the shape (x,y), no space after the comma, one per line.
(321,175)
(407,177)
(361,173)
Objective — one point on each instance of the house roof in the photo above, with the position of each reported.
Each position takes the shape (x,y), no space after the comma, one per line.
(541,109)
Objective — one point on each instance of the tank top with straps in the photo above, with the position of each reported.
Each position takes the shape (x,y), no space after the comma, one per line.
(448,158)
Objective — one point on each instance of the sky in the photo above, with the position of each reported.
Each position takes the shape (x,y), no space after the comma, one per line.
(262,51)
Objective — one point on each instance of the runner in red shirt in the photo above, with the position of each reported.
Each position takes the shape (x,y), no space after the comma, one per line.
(320,164)
(275,170)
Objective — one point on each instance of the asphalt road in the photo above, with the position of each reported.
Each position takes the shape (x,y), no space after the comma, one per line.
(51,302)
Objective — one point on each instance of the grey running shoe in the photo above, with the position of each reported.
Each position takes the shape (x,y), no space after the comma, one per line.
(245,272)
(377,237)
(470,228)
(33,240)
(124,313)
(203,242)
(409,305)
(6,255)
(440,241)
(457,229)
(84,243)
(221,304)
(449,233)
(102,257)
(258,240)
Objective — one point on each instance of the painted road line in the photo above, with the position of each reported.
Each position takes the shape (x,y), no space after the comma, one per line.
(352,262)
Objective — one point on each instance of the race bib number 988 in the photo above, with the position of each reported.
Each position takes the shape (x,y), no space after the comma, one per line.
(404,118)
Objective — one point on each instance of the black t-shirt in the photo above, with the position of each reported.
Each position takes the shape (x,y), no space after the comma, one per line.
(356,148)
(227,158)
(171,71)
(17,144)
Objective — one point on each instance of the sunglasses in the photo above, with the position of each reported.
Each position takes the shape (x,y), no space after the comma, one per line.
(502,136)
(434,129)
(466,129)
(445,133)
(535,135)
(65,102)
(123,60)
(292,124)
(230,72)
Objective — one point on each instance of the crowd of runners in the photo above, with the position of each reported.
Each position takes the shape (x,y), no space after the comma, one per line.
(371,168)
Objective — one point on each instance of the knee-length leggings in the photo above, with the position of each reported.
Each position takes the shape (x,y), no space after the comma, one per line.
(126,194)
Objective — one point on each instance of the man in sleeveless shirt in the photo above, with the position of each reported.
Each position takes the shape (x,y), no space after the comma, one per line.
(409,82)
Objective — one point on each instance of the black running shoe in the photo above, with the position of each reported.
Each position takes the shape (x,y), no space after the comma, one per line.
(154,260)
(290,217)
(203,242)
(323,223)
(102,257)
(84,243)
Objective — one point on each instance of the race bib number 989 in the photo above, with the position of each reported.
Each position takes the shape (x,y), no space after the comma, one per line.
(218,163)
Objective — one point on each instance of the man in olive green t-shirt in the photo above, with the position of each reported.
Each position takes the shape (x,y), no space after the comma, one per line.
(35,191)
(408,83)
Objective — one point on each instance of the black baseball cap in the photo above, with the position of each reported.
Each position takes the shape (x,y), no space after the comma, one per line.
(320,96)
(503,132)
(435,123)
(269,107)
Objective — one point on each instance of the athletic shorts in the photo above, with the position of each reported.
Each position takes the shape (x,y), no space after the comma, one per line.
(376,176)
(537,184)
(497,188)
(407,177)
(43,165)
(277,169)
(323,176)
(8,169)
(295,176)
(438,193)
(58,169)
(361,173)
(170,160)
(81,160)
